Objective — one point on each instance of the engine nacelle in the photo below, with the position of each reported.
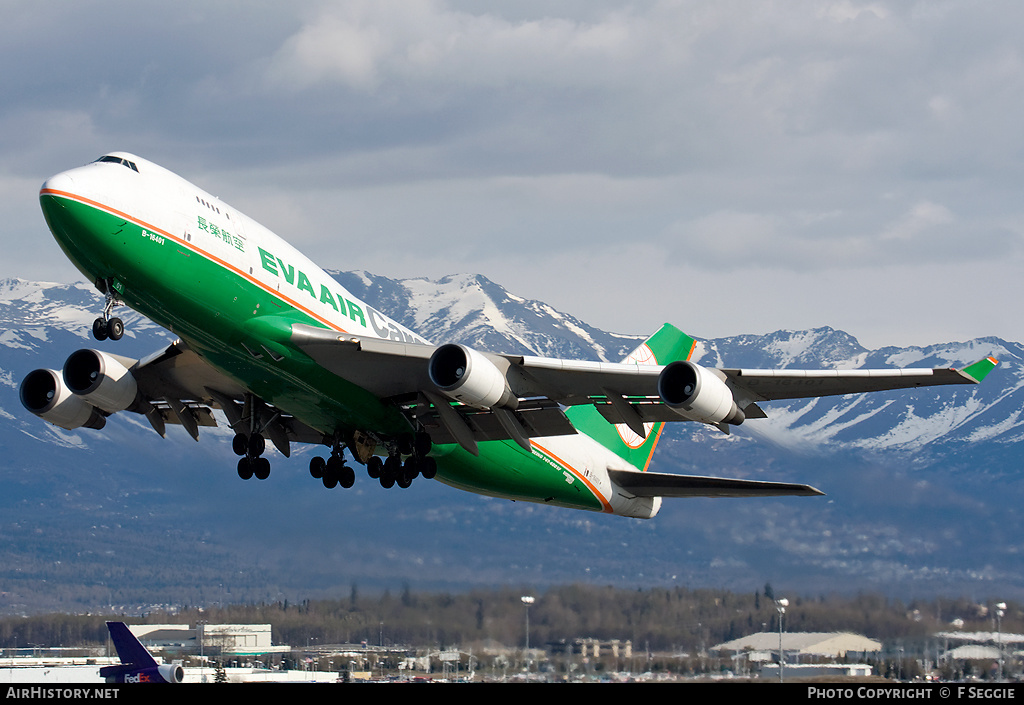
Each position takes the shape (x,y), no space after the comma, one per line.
(44,393)
(467,376)
(172,673)
(698,394)
(101,380)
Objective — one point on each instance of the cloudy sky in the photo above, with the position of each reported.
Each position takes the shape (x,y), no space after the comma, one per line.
(732,167)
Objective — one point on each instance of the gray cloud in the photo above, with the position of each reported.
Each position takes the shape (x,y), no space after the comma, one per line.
(550,145)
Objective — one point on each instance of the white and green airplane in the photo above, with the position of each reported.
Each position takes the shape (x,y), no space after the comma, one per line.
(289,355)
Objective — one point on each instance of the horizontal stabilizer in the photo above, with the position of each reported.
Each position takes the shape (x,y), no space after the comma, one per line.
(656,484)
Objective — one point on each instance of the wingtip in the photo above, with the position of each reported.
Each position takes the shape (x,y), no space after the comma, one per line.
(980,369)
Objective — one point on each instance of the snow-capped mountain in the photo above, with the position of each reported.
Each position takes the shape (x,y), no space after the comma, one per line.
(921,483)
(473,310)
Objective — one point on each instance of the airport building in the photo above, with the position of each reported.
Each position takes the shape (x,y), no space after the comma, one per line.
(797,646)
(209,639)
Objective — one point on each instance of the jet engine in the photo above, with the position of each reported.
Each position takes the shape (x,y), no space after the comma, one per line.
(698,394)
(44,393)
(101,380)
(467,376)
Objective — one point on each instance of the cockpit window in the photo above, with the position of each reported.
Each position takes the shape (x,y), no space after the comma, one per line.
(118,160)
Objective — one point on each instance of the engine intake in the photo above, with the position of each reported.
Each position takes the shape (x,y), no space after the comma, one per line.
(698,394)
(467,376)
(100,379)
(44,394)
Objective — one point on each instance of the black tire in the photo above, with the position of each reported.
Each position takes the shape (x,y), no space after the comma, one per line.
(405,444)
(392,467)
(99,329)
(245,468)
(330,479)
(347,477)
(387,482)
(411,468)
(375,467)
(423,444)
(240,444)
(317,467)
(115,328)
(428,468)
(257,444)
(261,469)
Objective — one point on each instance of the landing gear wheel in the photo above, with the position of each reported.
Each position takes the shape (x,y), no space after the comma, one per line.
(347,477)
(428,468)
(317,467)
(375,467)
(422,444)
(261,468)
(257,444)
(411,468)
(115,328)
(405,444)
(245,469)
(99,329)
(240,444)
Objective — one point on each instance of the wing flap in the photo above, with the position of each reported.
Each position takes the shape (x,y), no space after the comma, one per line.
(387,368)
(535,418)
(181,388)
(653,484)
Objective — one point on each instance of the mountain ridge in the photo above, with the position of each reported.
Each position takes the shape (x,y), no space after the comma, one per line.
(913,479)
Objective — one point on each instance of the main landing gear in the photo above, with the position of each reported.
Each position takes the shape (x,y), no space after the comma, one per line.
(390,472)
(394,471)
(333,471)
(252,463)
(107,326)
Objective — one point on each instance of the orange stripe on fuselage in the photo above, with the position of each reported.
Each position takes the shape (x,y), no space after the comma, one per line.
(607,507)
(197,250)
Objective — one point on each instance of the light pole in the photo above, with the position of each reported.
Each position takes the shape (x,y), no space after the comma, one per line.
(201,629)
(781,604)
(527,601)
(1000,611)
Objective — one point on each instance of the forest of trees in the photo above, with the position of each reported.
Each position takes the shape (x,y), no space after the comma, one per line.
(656,619)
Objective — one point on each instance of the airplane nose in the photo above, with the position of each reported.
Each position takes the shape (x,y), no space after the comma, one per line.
(60,182)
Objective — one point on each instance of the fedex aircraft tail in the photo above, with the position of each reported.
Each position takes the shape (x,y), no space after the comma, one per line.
(668,344)
(137,665)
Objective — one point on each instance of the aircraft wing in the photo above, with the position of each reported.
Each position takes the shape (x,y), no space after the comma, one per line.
(769,385)
(659,484)
(536,388)
(174,385)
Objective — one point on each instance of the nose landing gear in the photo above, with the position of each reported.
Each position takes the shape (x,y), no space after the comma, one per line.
(107,326)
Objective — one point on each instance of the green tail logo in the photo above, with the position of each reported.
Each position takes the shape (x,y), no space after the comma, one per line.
(667,345)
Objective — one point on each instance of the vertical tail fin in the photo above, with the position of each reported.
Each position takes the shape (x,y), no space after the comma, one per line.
(129,649)
(667,345)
